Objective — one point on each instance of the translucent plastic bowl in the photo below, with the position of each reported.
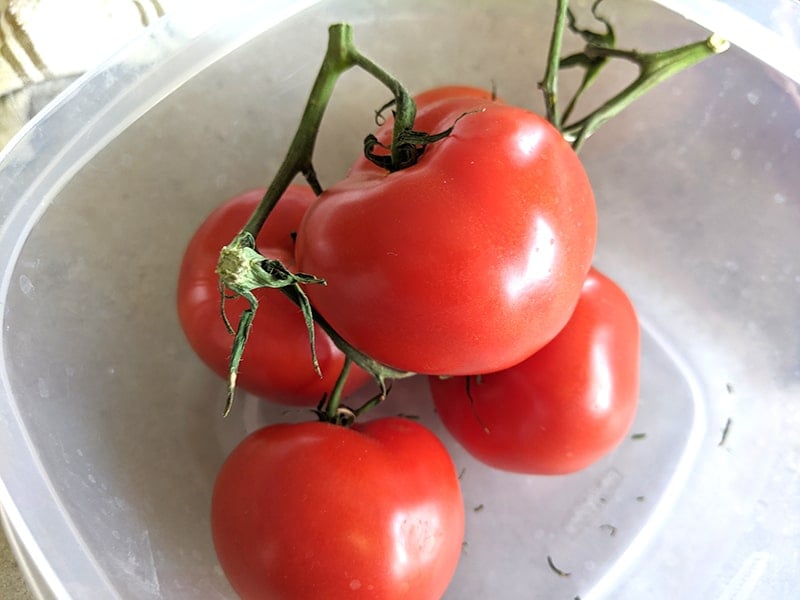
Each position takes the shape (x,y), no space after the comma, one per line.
(110,428)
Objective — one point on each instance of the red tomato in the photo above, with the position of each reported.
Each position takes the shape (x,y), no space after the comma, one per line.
(277,359)
(468,261)
(444,92)
(564,407)
(429,116)
(316,510)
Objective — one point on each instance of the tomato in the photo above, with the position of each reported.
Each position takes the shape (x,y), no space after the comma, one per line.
(431,105)
(277,359)
(564,407)
(315,510)
(467,262)
(445,92)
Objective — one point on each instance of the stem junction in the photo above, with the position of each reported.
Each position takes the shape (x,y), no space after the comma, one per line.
(242,269)
(654,68)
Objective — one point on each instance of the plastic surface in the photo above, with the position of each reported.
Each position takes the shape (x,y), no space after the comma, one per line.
(110,428)
(768,30)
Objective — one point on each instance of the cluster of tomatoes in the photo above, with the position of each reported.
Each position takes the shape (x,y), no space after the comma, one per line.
(473,267)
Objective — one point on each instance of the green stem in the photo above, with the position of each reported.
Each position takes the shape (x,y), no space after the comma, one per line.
(241,267)
(340,56)
(549,84)
(331,410)
(335,398)
(405,108)
(654,68)
(378,370)
(371,403)
(301,150)
(592,65)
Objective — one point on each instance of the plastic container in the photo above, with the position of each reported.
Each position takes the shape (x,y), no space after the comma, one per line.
(110,428)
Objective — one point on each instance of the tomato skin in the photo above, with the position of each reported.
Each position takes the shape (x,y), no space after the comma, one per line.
(315,510)
(564,407)
(446,92)
(468,261)
(432,106)
(277,360)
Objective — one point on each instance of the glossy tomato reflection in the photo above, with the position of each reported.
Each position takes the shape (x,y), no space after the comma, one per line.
(315,510)
(563,408)
(469,260)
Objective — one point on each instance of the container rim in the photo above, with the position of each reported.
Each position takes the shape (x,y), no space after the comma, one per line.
(772,37)
(59,141)
(34,166)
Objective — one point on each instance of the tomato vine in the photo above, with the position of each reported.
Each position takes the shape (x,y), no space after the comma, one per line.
(654,68)
(241,269)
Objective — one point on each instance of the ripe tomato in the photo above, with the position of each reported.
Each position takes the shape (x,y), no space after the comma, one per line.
(444,92)
(432,105)
(277,359)
(315,510)
(564,407)
(468,261)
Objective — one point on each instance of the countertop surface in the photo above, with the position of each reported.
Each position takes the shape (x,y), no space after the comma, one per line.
(12,584)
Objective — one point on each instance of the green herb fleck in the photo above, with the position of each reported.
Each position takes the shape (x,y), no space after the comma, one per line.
(726,430)
(612,531)
(555,569)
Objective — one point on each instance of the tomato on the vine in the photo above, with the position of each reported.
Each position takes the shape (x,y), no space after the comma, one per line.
(564,407)
(277,359)
(316,510)
(468,261)
(444,92)
(432,105)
